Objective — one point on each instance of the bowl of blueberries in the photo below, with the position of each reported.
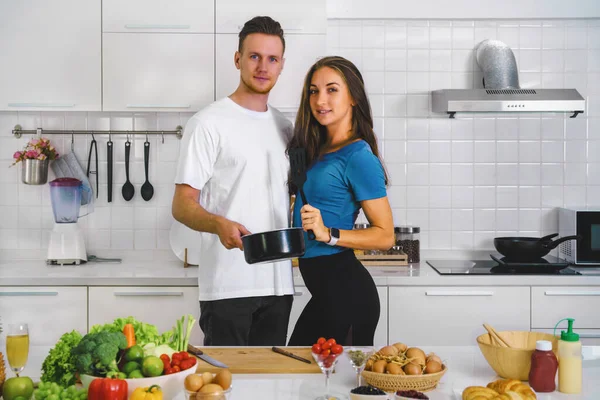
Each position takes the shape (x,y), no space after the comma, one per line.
(367,393)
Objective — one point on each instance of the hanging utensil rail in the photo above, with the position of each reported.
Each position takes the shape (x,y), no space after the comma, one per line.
(18,131)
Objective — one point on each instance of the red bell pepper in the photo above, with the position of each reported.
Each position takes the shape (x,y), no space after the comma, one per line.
(107,389)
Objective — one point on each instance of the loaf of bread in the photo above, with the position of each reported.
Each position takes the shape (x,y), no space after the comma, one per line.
(502,389)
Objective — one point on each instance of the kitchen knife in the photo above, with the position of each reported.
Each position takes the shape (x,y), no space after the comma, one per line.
(201,355)
(292,355)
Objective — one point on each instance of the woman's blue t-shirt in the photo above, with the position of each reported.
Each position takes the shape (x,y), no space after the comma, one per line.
(336,184)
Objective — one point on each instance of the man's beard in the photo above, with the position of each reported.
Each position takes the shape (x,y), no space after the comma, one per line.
(253,88)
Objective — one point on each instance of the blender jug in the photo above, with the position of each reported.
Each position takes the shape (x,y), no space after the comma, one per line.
(65,194)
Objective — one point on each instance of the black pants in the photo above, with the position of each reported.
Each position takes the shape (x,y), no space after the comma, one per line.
(344,301)
(246,321)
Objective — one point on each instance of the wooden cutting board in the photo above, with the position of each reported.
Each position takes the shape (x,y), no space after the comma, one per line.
(259,360)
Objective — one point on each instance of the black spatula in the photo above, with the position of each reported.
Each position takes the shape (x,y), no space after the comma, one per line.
(298,172)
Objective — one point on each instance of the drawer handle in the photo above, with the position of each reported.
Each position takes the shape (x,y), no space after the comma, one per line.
(139,294)
(590,335)
(137,26)
(572,293)
(7,294)
(41,105)
(158,106)
(298,293)
(459,293)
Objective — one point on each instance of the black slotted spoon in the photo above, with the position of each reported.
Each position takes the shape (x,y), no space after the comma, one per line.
(298,172)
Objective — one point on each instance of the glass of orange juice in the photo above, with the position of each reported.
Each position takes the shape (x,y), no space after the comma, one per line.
(17,346)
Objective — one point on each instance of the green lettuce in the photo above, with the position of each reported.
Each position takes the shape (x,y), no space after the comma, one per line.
(59,365)
(144,333)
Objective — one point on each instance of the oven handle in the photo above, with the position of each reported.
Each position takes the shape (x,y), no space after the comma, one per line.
(459,293)
(572,292)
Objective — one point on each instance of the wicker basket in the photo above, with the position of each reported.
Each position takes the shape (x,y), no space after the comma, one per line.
(393,383)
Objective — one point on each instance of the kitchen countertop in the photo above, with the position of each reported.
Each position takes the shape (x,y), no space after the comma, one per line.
(169,271)
(466,367)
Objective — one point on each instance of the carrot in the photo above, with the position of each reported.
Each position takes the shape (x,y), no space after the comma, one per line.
(129,335)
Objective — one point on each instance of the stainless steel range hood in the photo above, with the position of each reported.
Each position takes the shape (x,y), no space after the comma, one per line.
(501,91)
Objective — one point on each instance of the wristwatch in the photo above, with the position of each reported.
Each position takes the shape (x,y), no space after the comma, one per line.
(334,233)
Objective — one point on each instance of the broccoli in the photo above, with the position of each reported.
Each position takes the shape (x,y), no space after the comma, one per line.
(96,354)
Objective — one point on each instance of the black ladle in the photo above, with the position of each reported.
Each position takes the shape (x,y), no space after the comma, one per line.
(147,188)
(128,189)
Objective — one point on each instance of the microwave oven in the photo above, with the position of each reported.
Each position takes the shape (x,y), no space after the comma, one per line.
(585,223)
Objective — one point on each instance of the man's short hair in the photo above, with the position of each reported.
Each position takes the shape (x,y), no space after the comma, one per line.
(262,24)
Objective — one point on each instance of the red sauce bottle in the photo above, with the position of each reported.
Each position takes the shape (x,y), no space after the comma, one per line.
(542,375)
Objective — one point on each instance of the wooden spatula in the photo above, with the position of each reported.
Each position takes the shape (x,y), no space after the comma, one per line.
(298,172)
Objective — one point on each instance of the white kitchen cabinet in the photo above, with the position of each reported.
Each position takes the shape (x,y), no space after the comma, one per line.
(49,312)
(302,296)
(301,53)
(428,316)
(160,306)
(307,16)
(182,16)
(158,72)
(51,55)
(551,304)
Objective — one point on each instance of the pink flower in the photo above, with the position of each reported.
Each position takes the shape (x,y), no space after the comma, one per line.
(17,155)
(32,154)
(33,142)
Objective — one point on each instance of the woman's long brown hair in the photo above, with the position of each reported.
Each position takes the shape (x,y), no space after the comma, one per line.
(311,135)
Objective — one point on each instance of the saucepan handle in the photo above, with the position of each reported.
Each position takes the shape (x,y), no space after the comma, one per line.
(311,234)
(552,245)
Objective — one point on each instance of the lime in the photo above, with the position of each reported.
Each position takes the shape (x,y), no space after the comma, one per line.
(135,374)
(134,353)
(152,366)
(130,366)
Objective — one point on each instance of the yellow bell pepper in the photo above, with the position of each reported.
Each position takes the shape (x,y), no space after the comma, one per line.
(147,393)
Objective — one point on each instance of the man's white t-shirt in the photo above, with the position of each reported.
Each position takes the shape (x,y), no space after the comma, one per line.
(236,158)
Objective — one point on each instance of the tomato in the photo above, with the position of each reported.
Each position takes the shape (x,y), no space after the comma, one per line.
(165,357)
(326,346)
(316,348)
(166,364)
(321,340)
(176,361)
(176,368)
(193,360)
(336,349)
(176,356)
(168,371)
(331,342)
(185,355)
(325,353)
(328,362)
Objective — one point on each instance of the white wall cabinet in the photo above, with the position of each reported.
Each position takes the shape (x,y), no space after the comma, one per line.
(49,312)
(301,52)
(51,58)
(181,16)
(551,304)
(302,296)
(294,16)
(449,316)
(160,306)
(158,72)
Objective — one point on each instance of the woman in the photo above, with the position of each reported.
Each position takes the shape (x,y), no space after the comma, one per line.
(335,126)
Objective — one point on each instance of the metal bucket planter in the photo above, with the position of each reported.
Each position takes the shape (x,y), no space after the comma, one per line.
(34,172)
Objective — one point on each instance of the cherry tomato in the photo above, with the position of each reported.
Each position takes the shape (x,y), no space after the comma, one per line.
(316,348)
(176,361)
(176,356)
(336,349)
(328,362)
(331,342)
(176,368)
(165,357)
(168,371)
(193,360)
(185,355)
(325,353)
(326,346)
(321,340)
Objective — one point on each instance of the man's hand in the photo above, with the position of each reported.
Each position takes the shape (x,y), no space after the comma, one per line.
(230,234)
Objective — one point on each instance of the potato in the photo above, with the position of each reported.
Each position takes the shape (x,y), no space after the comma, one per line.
(394,369)
(417,354)
(223,379)
(400,346)
(413,369)
(207,377)
(211,388)
(388,351)
(379,366)
(432,367)
(193,382)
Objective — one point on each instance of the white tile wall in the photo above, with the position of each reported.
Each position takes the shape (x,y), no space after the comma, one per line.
(463,181)
(479,177)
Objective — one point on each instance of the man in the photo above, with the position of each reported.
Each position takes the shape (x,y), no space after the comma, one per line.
(231,181)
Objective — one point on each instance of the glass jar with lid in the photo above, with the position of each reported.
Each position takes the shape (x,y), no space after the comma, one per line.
(407,237)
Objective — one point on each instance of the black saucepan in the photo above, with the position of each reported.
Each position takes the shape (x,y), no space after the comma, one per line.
(528,248)
(280,244)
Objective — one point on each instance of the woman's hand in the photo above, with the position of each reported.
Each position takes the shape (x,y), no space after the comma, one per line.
(312,220)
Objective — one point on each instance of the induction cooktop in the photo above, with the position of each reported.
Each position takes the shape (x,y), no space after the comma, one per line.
(548,265)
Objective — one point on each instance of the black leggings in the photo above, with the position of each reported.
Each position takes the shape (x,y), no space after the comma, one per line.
(344,300)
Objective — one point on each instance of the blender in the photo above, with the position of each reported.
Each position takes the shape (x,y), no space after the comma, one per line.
(66,244)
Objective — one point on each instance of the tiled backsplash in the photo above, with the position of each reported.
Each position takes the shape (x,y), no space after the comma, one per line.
(464,181)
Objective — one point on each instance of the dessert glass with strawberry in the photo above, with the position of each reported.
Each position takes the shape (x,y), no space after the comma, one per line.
(326,353)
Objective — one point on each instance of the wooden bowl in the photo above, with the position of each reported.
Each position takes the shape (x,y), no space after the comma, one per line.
(513,362)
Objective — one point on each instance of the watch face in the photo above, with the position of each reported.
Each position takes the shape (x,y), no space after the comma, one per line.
(335,232)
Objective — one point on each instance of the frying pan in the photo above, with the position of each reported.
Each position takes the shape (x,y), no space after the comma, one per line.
(280,244)
(528,248)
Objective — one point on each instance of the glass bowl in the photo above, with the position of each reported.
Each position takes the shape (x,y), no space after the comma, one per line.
(208,396)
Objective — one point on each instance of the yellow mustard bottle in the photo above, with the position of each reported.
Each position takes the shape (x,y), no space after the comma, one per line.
(569,360)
